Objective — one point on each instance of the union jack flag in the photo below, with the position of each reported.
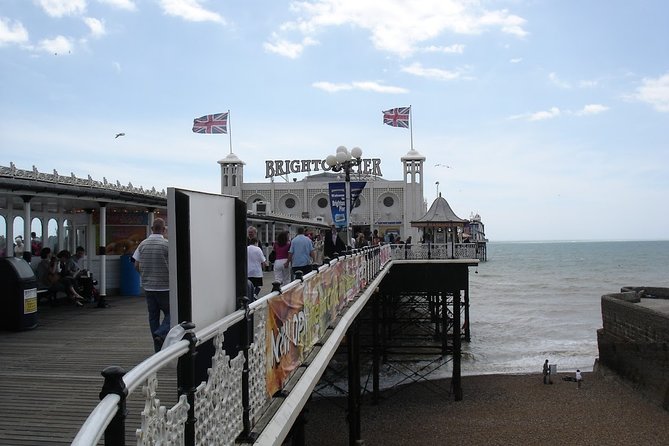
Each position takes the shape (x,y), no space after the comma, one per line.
(217,123)
(397,117)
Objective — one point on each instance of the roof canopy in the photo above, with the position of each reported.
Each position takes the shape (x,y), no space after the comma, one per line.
(440,214)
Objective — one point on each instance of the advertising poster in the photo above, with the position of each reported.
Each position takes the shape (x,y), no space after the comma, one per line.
(298,318)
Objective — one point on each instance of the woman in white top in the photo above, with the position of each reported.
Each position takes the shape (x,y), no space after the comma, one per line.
(255,261)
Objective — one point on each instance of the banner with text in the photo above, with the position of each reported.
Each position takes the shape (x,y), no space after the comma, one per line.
(298,318)
(338,204)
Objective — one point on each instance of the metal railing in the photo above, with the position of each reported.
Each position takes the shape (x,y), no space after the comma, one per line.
(224,408)
(426,251)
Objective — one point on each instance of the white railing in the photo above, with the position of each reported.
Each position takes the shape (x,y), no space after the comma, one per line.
(229,403)
(425,251)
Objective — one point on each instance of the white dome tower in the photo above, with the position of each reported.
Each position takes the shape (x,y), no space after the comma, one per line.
(413,190)
(232,175)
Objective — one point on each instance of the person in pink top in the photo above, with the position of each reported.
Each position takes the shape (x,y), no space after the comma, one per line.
(281,269)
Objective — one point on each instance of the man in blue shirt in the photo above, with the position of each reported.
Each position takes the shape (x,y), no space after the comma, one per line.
(301,253)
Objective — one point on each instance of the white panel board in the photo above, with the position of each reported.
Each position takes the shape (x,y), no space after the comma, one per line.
(210,252)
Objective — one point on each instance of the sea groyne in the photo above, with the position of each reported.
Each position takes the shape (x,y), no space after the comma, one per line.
(634,339)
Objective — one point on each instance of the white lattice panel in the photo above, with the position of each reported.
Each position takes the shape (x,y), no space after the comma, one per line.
(218,402)
(159,425)
(258,396)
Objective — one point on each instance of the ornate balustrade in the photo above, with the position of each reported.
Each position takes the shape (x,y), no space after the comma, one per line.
(425,251)
(239,389)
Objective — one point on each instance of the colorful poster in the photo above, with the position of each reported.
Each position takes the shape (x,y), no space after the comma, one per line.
(298,318)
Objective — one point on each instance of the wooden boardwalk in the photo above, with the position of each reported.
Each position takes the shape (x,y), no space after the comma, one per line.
(50,376)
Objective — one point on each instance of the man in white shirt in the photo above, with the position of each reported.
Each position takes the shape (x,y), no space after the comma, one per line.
(151,260)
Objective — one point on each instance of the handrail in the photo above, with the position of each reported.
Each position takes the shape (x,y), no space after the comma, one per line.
(94,427)
(103,414)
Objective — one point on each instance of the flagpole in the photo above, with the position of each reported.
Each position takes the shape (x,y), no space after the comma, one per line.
(411,125)
(229,130)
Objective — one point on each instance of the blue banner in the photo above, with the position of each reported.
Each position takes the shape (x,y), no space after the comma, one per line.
(356,190)
(338,200)
(338,204)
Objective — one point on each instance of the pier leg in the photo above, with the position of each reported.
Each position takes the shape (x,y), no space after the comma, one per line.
(375,348)
(353,346)
(443,304)
(456,383)
(468,334)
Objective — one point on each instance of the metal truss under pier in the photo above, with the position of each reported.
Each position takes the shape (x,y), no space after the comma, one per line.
(411,327)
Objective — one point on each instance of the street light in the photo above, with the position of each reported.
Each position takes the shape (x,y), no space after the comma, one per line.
(345,160)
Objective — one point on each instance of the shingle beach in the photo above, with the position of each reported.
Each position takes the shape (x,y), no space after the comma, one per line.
(499,410)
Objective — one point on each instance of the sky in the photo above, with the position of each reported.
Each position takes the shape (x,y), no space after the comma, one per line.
(548,118)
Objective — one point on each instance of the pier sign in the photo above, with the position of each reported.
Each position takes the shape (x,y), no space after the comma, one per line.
(368,166)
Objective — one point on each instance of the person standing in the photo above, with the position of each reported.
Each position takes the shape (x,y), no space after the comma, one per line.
(255,260)
(332,243)
(281,247)
(547,372)
(579,378)
(301,253)
(151,261)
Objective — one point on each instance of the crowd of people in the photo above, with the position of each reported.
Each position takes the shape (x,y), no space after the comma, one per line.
(287,256)
(66,273)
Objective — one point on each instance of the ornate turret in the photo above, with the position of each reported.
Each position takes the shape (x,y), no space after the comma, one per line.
(414,208)
(232,175)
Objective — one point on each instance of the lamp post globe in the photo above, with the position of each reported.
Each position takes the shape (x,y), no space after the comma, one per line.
(331,160)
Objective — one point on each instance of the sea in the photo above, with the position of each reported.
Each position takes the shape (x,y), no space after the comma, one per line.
(533,301)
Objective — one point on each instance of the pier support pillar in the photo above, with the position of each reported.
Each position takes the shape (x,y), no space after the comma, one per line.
(457,350)
(353,350)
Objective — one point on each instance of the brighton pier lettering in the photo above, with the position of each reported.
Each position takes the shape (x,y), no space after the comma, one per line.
(369,166)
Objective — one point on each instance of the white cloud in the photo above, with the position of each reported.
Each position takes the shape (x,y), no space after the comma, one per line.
(128,5)
(60,8)
(553,112)
(655,92)
(397,27)
(516,60)
(117,66)
(288,49)
(588,83)
(431,73)
(555,80)
(12,33)
(57,45)
(96,26)
(591,109)
(190,10)
(509,23)
(361,85)
(456,48)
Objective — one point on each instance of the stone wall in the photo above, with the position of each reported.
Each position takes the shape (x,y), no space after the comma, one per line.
(634,343)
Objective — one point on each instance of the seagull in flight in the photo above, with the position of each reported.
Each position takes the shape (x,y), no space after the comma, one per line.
(119,134)
(442,165)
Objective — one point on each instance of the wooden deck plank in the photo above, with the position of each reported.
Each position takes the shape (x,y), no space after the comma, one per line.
(50,376)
